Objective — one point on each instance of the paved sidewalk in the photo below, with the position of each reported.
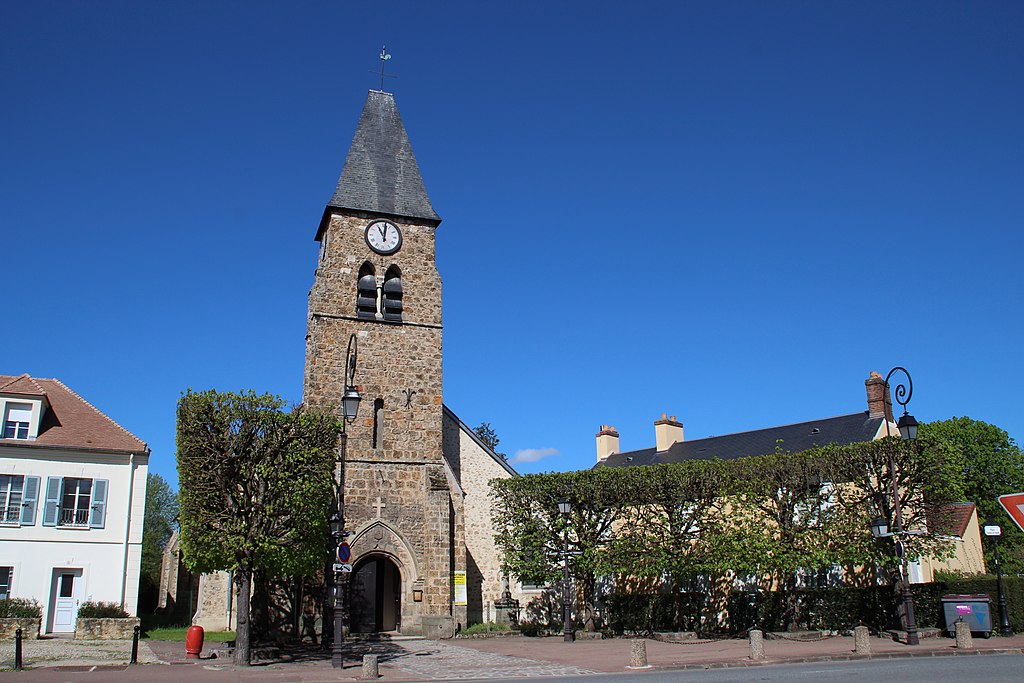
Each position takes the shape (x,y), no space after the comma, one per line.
(461,659)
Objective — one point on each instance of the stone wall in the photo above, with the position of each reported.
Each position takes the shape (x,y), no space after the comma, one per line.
(29,627)
(476,468)
(398,498)
(105,629)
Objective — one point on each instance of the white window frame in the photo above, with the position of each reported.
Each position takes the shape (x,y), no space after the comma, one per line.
(6,586)
(17,421)
(12,491)
(75,515)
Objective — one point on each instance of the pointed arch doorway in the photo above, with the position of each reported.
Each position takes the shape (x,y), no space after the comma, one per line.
(376,595)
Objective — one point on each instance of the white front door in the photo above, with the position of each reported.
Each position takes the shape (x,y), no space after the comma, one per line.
(67,585)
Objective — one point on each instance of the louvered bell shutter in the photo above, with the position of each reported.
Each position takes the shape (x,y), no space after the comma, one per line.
(99,504)
(393,299)
(51,506)
(29,496)
(366,298)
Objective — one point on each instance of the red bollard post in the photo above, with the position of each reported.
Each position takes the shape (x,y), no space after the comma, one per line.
(194,642)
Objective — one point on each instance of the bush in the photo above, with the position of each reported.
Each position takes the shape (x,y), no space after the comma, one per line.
(20,608)
(101,610)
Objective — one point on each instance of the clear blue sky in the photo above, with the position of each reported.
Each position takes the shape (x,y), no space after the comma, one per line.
(726,211)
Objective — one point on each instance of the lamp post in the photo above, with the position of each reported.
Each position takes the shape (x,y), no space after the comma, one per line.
(879,528)
(568,634)
(995,532)
(349,408)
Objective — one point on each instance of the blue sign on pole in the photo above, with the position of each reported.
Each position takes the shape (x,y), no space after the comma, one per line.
(344,552)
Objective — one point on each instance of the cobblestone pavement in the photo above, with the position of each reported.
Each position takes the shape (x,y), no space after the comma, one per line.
(68,652)
(437,660)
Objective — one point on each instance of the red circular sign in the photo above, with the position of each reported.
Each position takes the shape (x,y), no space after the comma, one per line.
(344,552)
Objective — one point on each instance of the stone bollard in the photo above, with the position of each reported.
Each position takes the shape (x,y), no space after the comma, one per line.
(861,640)
(369,668)
(756,644)
(638,654)
(963,636)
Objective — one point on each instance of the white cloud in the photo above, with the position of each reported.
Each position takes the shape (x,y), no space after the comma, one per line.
(533,455)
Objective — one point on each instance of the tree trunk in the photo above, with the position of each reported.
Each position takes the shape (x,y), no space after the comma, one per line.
(243,652)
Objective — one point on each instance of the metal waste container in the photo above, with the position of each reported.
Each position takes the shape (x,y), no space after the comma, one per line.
(974,609)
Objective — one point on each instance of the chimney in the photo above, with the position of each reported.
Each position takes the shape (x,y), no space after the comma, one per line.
(879,400)
(607,442)
(667,431)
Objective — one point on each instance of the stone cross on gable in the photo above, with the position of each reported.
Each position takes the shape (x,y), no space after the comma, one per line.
(379,505)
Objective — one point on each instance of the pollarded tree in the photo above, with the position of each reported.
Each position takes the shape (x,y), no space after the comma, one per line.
(256,483)
(532,533)
(783,519)
(670,518)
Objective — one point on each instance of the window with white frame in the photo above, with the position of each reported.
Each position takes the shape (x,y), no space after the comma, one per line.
(6,577)
(16,420)
(75,502)
(18,495)
(11,488)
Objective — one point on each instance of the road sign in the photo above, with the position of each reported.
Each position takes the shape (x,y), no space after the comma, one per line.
(342,567)
(1013,503)
(344,553)
(992,530)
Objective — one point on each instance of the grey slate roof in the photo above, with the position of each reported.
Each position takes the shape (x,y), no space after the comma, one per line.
(841,430)
(380,173)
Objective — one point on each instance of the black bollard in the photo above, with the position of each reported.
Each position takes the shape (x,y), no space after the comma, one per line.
(135,646)
(17,650)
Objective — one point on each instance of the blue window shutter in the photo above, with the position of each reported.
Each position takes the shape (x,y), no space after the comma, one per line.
(29,496)
(51,506)
(99,504)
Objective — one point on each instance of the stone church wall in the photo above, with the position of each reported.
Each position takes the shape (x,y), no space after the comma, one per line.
(476,467)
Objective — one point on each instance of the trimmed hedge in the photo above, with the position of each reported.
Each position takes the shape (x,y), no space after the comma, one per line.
(20,608)
(836,609)
(101,610)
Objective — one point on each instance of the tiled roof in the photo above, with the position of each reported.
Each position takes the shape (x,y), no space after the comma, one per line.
(841,430)
(953,518)
(380,173)
(70,421)
(22,384)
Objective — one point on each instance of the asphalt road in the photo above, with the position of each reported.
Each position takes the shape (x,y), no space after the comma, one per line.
(989,668)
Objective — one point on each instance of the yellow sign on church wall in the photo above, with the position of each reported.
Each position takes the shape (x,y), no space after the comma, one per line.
(460,588)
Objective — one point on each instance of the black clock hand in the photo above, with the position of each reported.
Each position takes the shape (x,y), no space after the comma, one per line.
(383,232)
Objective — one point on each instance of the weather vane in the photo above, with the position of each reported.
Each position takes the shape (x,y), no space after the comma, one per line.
(384,57)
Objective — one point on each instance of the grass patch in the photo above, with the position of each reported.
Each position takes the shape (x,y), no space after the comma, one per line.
(178,633)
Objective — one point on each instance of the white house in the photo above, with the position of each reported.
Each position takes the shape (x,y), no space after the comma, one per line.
(72,500)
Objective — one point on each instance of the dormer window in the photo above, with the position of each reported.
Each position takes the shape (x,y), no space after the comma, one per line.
(16,420)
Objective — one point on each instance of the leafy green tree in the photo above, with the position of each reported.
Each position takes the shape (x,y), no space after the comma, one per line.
(161,518)
(669,532)
(533,535)
(993,465)
(256,484)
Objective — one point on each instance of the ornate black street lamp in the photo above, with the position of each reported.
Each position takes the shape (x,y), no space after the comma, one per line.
(994,532)
(879,527)
(568,633)
(339,562)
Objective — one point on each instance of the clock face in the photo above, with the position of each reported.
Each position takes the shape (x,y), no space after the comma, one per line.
(383,237)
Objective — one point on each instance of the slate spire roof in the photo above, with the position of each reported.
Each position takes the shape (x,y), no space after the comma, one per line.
(380,173)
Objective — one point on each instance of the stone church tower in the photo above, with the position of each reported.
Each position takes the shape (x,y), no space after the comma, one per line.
(376,278)
(416,477)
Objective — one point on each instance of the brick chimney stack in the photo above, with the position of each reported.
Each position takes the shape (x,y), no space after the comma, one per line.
(667,431)
(879,400)
(607,442)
